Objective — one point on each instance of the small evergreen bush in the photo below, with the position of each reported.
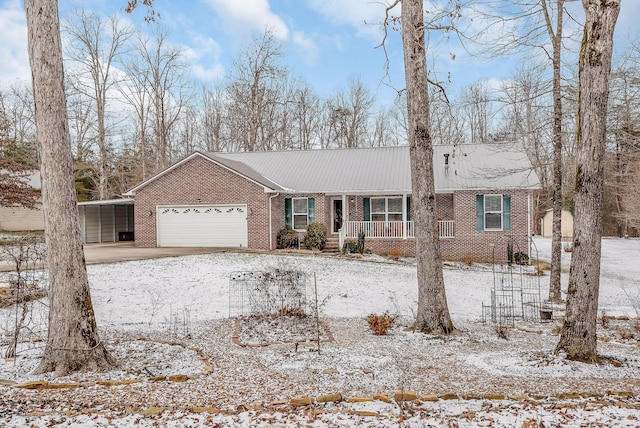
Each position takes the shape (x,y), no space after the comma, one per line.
(316,236)
(354,246)
(287,238)
(361,236)
(521,258)
(350,247)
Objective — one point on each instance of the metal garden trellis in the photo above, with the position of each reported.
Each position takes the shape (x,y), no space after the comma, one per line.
(515,294)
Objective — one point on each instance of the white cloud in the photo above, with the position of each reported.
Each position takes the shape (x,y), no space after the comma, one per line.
(204,57)
(307,45)
(365,16)
(213,73)
(14,55)
(251,15)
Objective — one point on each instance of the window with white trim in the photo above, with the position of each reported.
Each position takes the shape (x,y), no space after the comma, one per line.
(492,212)
(386,209)
(300,213)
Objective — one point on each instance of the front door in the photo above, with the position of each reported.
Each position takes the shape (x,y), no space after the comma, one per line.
(336,215)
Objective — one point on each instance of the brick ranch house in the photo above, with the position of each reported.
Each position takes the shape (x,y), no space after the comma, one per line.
(484,199)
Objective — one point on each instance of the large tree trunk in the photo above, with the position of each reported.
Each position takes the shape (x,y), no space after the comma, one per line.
(556,240)
(73,343)
(578,335)
(433,312)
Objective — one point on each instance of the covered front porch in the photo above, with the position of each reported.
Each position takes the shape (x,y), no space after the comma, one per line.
(389,230)
(382,217)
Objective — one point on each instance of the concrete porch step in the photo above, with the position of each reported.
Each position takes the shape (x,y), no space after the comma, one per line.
(332,245)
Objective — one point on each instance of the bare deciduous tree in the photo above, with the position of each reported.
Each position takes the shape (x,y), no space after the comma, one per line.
(95,44)
(159,71)
(476,107)
(136,92)
(555,34)
(630,197)
(18,112)
(14,174)
(578,335)
(253,90)
(211,105)
(624,142)
(433,312)
(73,342)
(350,114)
(307,117)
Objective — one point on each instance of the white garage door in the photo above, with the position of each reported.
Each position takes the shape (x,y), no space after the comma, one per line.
(202,226)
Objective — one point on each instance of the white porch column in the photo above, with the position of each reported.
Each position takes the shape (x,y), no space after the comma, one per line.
(404,216)
(345,209)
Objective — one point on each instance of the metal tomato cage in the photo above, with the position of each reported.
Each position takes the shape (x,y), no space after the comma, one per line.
(278,292)
(515,294)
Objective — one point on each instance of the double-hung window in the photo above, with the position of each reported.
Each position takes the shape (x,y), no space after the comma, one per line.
(493,212)
(299,212)
(386,209)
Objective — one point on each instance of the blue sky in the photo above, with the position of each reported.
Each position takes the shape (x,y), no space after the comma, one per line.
(328,41)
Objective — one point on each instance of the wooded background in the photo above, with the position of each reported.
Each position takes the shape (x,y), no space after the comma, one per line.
(134,108)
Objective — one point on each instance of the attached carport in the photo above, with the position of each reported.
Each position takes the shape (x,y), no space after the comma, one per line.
(106,221)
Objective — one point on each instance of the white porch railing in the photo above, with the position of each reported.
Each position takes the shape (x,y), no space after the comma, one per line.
(446,229)
(389,229)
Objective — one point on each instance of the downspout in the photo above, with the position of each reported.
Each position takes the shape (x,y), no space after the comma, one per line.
(270,221)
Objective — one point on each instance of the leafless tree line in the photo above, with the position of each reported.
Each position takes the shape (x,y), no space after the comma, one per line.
(134,108)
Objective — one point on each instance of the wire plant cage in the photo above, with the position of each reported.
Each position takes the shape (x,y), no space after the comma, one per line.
(25,281)
(515,294)
(279,292)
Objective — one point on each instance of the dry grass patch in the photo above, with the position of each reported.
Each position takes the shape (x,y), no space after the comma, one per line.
(9,297)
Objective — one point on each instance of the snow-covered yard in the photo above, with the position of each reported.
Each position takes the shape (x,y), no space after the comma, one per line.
(181,307)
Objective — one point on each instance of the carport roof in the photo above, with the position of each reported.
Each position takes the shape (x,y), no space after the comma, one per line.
(122,201)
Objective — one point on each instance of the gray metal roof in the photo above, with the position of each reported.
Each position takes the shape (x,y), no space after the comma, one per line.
(484,166)
(246,171)
(384,170)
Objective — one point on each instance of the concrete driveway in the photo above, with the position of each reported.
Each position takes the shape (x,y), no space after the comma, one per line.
(119,251)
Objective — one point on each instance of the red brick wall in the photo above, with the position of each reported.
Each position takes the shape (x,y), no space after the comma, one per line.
(406,247)
(322,212)
(444,206)
(199,178)
(213,184)
(479,245)
(468,243)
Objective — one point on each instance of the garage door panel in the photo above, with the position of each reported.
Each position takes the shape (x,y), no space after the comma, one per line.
(208,226)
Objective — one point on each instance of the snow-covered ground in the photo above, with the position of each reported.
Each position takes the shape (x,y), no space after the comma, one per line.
(186,300)
(126,294)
